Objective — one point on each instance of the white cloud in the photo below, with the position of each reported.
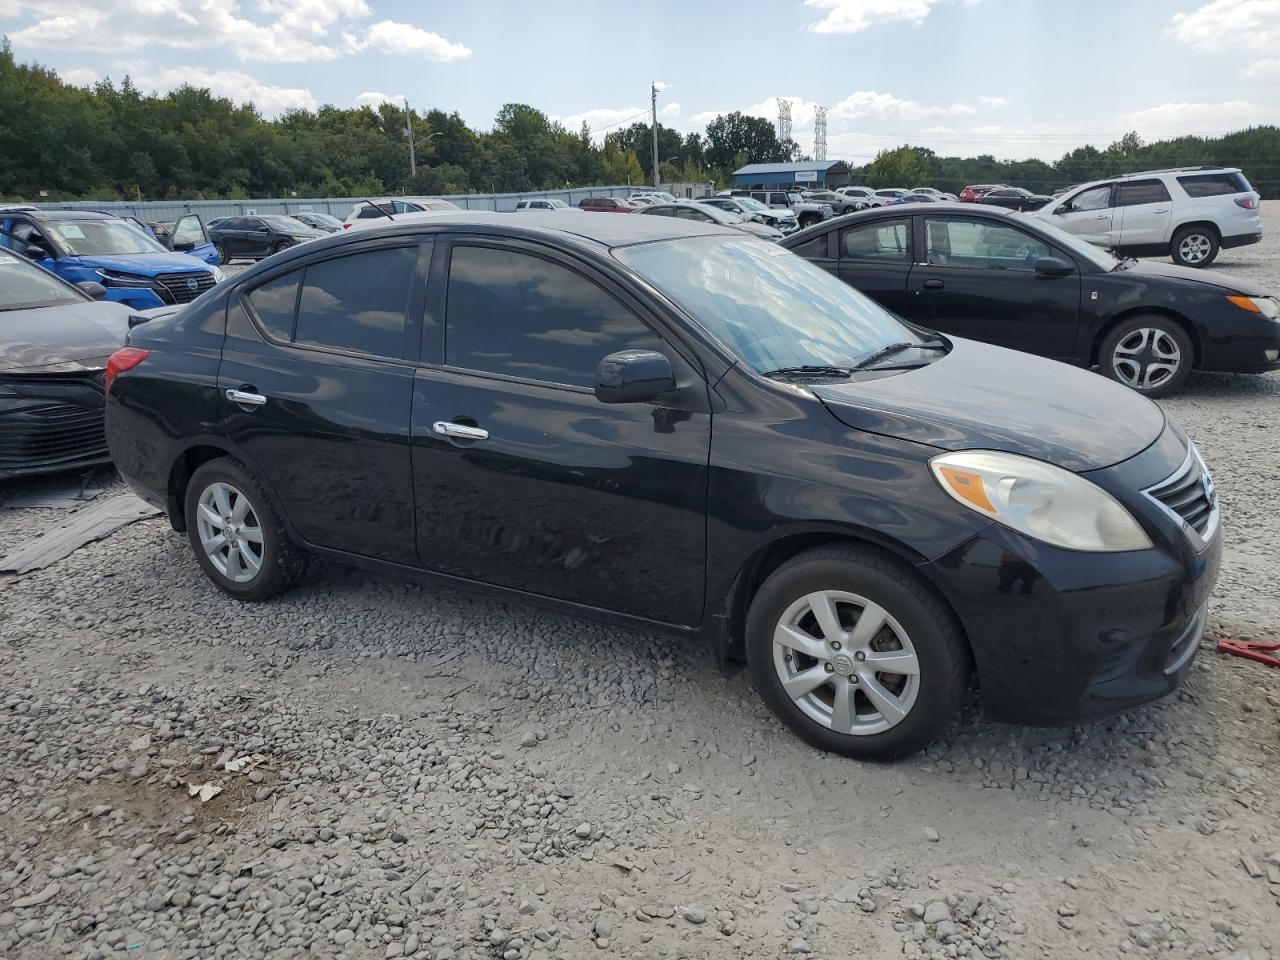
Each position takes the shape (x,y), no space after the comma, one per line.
(705,117)
(11,8)
(1183,119)
(374,98)
(670,111)
(287,31)
(851,16)
(1267,69)
(660,86)
(79,76)
(1231,25)
(993,102)
(604,120)
(234,85)
(388,36)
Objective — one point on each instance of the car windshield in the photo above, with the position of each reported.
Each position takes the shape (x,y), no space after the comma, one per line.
(771,308)
(324,218)
(753,205)
(97,238)
(23,285)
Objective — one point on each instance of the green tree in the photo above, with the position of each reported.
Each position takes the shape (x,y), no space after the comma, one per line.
(903,167)
(731,137)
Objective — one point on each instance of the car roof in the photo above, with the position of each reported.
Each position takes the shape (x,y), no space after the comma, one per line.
(1152,174)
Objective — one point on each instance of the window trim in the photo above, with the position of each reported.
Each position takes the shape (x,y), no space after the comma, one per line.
(1070,201)
(957,217)
(908,255)
(551,255)
(413,315)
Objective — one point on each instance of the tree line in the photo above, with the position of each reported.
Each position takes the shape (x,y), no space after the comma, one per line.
(113,141)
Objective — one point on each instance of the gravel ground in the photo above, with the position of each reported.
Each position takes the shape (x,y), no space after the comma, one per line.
(449,777)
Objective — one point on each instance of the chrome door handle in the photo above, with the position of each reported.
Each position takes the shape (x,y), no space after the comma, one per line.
(1102,216)
(459,430)
(248,399)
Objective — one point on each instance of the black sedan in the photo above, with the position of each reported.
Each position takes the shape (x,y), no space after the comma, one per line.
(252,238)
(1014,198)
(683,428)
(54,343)
(1016,282)
(318,221)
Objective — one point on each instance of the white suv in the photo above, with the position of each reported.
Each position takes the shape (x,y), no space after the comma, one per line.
(378,208)
(1189,213)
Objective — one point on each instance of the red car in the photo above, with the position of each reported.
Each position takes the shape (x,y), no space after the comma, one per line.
(971,193)
(606,205)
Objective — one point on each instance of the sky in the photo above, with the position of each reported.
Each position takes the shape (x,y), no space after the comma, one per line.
(1014,78)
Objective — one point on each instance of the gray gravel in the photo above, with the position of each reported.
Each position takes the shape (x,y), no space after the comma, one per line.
(442,776)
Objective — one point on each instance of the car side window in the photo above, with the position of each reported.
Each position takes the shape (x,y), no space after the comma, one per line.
(516,314)
(981,245)
(685,213)
(358,302)
(882,240)
(1095,198)
(1134,192)
(368,213)
(274,304)
(659,211)
(812,249)
(232,223)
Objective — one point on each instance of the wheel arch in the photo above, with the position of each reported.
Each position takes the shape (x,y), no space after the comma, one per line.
(1182,320)
(195,455)
(1212,227)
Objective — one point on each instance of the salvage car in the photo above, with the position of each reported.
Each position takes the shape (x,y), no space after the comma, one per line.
(675,426)
(706,213)
(1013,280)
(83,246)
(252,238)
(55,339)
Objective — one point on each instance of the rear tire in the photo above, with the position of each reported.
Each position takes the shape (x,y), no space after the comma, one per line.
(829,691)
(238,537)
(281,247)
(1150,354)
(1194,247)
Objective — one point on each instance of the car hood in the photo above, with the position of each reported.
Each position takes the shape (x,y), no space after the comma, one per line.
(75,336)
(145,264)
(1234,284)
(989,398)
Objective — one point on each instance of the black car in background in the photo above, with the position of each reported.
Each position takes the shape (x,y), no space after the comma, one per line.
(55,339)
(680,427)
(1013,198)
(252,238)
(318,221)
(1017,282)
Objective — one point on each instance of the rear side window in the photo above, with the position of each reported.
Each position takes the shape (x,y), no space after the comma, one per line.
(522,316)
(1214,184)
(812,249)
(876,241)
(1134,192)
(367,213)
(274,302)
(358,303)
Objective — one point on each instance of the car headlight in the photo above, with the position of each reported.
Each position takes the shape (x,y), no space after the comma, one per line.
(113,278)
(1266,306)
(218,275)
(1039,500)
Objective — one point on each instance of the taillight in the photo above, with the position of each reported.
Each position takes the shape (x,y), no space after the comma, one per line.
(122,360)
(1247,202)
(346,226)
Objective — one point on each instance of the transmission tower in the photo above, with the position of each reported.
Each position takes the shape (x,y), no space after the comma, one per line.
(819,133)
(784,119)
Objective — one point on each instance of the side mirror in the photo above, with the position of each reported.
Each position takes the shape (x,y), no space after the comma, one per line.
(632,376)
(34,252)
(263,230)
(1053,267)
(93,289)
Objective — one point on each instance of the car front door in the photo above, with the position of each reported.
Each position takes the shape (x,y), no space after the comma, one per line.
(257,237)
(1144,210)
(875,258)
(316,391)
(523,477)
(1089,214)
(189,236)
(978,279)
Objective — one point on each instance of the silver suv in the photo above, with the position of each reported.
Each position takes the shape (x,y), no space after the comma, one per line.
(1190,213)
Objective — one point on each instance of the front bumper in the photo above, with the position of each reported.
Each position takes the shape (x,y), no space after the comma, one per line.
(1237,341)
(1061,636)
(55,424)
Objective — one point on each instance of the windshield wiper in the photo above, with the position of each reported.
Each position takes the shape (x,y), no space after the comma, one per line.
(893,348)
(810,370)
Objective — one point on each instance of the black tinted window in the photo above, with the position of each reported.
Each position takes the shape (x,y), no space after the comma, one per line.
(359,302)
(273,304)
(878,241)
(232,223)
(369,212)
(1140,191)
(815,247)
(523,316)
(1214,184)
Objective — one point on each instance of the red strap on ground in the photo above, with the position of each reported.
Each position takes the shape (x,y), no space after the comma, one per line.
(1252,650)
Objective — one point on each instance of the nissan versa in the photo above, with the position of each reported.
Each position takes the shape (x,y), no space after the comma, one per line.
(681,427)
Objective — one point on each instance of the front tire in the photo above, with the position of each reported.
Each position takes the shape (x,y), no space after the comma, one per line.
(1150,354)
(238,537)
(855,654)
(808,220)
(221,251)
(1194,247)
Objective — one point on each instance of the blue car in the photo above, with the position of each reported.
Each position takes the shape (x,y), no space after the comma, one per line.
(134,268)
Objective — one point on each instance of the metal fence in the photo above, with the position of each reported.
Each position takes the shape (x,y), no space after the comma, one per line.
(163,211)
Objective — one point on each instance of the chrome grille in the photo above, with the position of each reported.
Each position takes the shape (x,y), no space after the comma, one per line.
(1190,498)
(179,286)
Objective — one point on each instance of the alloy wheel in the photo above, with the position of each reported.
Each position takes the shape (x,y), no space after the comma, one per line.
(230,532)
(846,662)
(1195,248)
(1146,358)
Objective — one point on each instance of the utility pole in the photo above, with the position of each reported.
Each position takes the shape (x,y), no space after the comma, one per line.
(408,132)
(653,97)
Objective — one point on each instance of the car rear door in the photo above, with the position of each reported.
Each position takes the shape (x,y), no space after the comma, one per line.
(232,234)
(875,258)
(977,279)
(316,391)
(523,478)
(1089,214)
(1144,210)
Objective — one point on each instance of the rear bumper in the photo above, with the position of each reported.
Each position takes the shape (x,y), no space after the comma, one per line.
(1241,240)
